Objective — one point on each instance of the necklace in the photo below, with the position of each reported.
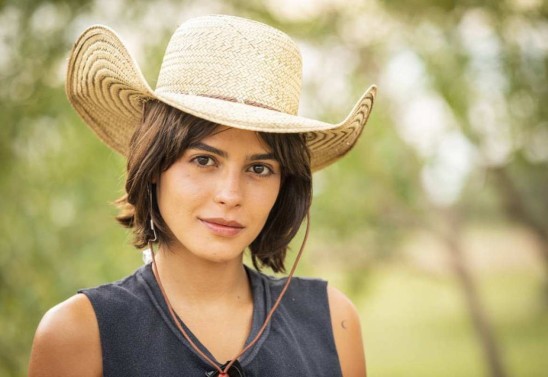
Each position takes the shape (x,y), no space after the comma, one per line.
(231,368)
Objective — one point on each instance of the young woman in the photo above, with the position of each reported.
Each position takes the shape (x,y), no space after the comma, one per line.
(218,163)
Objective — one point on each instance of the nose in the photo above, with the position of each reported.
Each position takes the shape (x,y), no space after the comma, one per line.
(229,191)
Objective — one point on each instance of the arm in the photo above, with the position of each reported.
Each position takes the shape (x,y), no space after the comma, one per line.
(347,333)
(67,341)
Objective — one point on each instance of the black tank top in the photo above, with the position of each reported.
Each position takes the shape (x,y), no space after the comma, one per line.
(139,338)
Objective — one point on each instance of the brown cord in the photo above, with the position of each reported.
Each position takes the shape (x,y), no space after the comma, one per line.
(268,317)
(172,312)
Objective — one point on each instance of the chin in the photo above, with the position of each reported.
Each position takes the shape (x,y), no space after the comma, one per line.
(219,255)
(220,259)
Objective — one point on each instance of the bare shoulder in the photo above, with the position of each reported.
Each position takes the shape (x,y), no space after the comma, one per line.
(345,321)
(67,341)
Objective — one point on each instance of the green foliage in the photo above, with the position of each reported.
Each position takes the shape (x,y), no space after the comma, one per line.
(481,60)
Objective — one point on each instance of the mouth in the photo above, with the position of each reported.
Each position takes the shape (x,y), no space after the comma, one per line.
(222,227)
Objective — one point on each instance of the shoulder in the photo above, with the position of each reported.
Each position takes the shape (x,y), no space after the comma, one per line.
(304,286)
(67,341)
(345,321)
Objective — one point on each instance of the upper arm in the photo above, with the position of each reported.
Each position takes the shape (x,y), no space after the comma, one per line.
(347,333)
(67,341)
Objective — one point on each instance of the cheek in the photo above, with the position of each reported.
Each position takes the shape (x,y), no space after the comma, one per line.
(179,193)
(273,195)
(265,199)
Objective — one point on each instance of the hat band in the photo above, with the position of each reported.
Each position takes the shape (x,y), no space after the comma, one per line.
(238,100)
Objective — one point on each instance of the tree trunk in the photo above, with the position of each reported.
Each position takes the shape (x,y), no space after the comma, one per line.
(450,233)
(517,211)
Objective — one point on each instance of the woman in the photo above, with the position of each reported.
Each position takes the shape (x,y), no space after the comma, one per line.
(218,162)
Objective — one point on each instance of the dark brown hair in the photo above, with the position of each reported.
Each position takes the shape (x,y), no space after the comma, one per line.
(162,137)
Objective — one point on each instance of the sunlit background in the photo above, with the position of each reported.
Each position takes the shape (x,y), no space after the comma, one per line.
(436,224)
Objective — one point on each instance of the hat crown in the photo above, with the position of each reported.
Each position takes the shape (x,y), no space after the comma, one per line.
(234,59)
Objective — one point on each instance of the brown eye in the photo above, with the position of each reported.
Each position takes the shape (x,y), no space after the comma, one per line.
(261,170)
(203,161)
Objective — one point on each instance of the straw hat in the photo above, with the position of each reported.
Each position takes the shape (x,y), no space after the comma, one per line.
(228,70)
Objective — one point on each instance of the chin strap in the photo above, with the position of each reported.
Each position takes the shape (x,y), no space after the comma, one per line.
(224,371)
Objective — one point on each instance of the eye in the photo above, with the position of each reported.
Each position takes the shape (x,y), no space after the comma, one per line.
(203,161)
(261,170)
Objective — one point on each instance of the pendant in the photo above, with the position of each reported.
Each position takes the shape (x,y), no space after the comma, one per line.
(235,370)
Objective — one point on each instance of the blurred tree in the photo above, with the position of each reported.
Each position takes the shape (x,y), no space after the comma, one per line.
(49,177)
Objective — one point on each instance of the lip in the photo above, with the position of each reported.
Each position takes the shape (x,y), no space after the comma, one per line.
(222,227)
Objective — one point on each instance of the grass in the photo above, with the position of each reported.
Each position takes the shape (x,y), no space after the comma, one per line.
(418,325)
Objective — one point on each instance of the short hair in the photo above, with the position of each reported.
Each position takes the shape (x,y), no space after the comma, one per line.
(163,136)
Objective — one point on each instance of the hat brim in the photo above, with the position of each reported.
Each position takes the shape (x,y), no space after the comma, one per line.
(107,89)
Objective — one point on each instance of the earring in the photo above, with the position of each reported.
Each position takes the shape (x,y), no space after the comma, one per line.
(153,231)
(151,221)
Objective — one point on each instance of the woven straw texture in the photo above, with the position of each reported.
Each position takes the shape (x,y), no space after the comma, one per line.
(228,70)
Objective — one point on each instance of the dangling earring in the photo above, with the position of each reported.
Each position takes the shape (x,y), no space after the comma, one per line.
(150,212)
(153,231)
(148,254)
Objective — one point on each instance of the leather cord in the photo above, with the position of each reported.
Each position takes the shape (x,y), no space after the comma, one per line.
(224,372)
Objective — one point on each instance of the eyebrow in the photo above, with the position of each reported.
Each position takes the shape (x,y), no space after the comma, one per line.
(209,148)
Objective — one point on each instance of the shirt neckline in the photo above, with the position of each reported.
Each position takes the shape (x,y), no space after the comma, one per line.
(262,302)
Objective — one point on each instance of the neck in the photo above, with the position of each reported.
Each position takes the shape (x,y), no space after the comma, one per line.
(187,278)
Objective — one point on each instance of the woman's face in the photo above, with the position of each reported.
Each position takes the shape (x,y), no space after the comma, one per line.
(216,197)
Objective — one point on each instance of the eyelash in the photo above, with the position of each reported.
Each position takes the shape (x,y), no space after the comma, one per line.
(269,169)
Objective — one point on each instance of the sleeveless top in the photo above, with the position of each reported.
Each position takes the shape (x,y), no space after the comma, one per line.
(139,338)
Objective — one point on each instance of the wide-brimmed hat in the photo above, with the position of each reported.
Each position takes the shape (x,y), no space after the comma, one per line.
(228,70)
